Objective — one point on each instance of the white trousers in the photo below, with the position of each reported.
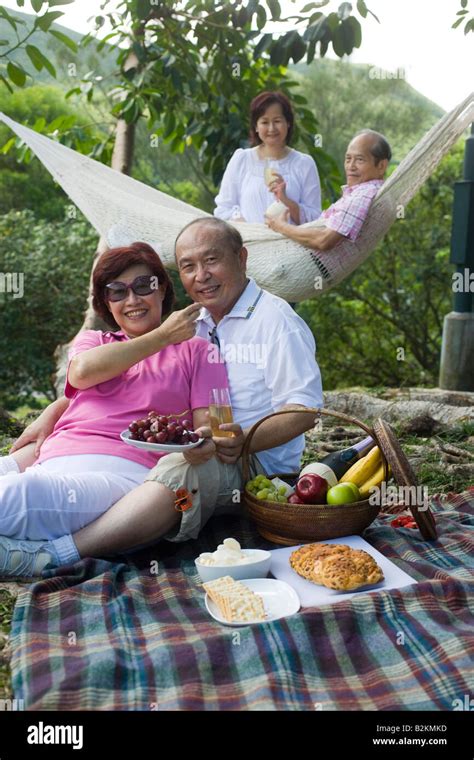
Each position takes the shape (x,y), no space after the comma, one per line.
(64,494)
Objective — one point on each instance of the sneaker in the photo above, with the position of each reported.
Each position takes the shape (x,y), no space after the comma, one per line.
(21,559)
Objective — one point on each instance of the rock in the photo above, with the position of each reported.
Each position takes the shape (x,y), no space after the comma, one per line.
(424,425)
(9,426)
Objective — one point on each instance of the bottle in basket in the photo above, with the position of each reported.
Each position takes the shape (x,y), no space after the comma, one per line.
(334,466)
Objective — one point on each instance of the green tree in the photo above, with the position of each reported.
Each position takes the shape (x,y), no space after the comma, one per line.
(383,325)
(20,38)
(52,260)
(463,18)
(25,183)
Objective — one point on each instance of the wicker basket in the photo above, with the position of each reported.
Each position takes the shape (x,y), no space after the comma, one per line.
(291,524)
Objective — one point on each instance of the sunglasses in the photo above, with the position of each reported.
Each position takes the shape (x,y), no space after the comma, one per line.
(141,286)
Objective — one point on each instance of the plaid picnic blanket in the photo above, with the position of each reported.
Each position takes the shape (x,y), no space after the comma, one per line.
(135,634)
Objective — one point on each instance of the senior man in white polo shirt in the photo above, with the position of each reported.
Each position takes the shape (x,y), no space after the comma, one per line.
(269,354)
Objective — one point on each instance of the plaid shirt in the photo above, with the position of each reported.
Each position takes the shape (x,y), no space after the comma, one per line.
(348,214)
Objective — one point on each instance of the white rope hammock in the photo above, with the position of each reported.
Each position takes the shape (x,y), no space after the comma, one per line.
(124,210)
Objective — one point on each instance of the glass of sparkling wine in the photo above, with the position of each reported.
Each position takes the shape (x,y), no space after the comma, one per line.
(271,168)
(220,411)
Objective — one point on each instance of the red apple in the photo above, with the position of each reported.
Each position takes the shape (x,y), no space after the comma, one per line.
(294,499)
(312,488)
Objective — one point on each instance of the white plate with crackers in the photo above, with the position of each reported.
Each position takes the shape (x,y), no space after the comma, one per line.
(255,600)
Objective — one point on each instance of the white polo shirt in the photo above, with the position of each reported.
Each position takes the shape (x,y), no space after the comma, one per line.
(269,352)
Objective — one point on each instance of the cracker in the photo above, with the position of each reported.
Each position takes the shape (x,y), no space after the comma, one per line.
(236,602)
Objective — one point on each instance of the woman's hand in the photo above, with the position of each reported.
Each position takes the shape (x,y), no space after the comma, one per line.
(205,451)
(278,188)
(230,449)
(181,325)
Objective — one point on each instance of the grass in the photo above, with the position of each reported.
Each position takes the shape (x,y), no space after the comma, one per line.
(7,603)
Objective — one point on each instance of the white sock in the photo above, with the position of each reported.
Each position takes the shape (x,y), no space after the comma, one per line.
(8,464)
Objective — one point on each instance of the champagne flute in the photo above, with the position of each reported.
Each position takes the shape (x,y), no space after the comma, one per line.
(220,412)
(271,168)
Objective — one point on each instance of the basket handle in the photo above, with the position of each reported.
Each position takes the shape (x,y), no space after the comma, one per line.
(306,410)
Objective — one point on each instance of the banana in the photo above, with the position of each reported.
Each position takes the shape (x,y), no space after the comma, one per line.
(364,468)
(375,480)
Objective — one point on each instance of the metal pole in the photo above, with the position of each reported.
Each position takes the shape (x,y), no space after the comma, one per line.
(457,351)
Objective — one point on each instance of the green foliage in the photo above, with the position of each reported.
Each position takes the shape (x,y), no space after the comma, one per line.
(18,31)
(464,18)
(383,325)
(25,184)
(55,259)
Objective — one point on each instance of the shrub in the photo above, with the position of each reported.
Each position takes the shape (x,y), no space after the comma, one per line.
(54,259)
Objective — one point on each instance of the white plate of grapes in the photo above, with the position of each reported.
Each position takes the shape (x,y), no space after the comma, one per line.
(161,432)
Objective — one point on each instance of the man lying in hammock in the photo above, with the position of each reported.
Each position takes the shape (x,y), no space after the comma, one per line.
(365,164)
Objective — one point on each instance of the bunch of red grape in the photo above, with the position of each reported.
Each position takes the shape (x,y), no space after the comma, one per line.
(158,428)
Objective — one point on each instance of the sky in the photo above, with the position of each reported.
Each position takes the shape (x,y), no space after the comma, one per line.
(414,39)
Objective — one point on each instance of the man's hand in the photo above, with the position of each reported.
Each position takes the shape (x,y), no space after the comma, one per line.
(38,430)
(230,449)
(205,451)
(278,223)
(34,433)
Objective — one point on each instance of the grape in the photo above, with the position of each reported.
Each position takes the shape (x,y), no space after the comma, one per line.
(263,494)
(161,428)
(282,491)
(171,429)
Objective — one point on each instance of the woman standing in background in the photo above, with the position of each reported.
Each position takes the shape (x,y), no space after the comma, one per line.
(270,170)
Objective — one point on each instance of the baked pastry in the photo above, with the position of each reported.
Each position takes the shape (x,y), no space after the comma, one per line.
(336,566)
(303,560)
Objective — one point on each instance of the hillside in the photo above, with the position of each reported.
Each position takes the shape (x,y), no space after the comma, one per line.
(86,59)
(347,97)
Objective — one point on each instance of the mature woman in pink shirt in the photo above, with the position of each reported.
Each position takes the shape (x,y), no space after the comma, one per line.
(113,378)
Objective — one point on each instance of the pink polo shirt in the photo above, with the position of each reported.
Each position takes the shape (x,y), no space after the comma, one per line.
(348,214)
(176,379)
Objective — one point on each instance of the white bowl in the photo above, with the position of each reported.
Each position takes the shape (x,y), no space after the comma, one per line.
(257,569)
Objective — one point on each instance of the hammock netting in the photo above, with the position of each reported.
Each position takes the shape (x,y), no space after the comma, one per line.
(123,210)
